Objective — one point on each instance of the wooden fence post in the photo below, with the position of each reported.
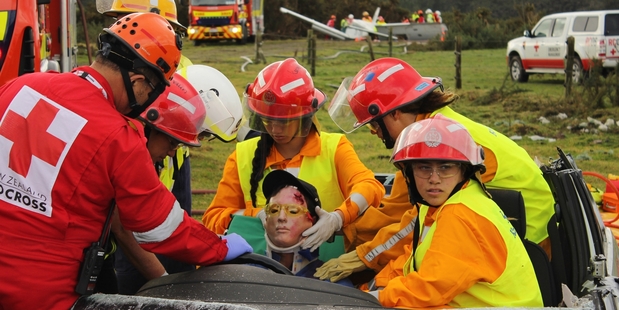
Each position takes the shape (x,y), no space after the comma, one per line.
(310,34)
(369,40)
(569,66)
(313,59)
(258,47)
(458,64)
(617,85)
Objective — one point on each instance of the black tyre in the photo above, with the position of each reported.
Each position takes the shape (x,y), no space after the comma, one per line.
(516,70)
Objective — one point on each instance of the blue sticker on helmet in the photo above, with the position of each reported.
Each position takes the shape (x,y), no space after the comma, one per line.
(422,86)
(370,76)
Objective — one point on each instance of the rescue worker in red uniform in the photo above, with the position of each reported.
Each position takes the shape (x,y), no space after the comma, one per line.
(388,94)
(281,103)
(466,253)
(69,153)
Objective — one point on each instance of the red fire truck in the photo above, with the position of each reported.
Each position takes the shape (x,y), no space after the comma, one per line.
(216,20)
(31,40)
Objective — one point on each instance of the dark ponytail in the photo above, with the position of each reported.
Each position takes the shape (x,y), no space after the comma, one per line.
(265,144)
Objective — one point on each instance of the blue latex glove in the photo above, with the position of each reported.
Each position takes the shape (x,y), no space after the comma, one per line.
(237,246)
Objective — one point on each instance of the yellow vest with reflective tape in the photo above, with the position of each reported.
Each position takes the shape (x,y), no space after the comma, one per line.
(525,177)
(319,171)
(166,175)
(517,286)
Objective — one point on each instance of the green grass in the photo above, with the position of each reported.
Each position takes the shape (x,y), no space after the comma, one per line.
(486,96)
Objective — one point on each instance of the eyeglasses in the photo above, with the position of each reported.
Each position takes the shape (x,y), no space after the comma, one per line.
(292,210)
(443,171)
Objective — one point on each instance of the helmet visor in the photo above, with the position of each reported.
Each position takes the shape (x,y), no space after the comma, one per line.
(273,118)
(178,117)
(219,120)
(341,111)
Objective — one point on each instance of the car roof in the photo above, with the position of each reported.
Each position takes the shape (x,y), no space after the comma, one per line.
(581,13)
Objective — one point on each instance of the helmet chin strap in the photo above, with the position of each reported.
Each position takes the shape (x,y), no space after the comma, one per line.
(137,109)
(387,140)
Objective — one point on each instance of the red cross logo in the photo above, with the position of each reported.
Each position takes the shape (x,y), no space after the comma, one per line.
(613,52)
(30,137)
(536,46)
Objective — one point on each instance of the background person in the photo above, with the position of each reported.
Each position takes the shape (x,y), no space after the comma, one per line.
(281,103)
(508,166)
(366,17)
(88,155)
(291,209)
(466,253)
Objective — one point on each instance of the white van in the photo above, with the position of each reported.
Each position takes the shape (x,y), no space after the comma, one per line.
(544,49)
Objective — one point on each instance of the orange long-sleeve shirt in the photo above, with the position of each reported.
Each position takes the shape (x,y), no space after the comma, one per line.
(353,177)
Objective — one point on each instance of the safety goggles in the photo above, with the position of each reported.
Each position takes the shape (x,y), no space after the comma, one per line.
(443,171)
(292,210)
(269,123)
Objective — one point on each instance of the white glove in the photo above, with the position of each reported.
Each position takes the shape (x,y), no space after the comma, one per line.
(263,217)
(328,223)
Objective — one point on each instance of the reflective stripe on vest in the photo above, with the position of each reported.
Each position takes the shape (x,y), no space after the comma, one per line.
(319,171)
(501,291)
(166,175)
(538,198)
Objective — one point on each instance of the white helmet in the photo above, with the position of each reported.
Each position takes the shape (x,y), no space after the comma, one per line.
(428,11)
(437,12)
(224,111)
(351,16)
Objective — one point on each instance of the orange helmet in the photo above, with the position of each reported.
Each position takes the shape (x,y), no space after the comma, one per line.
(332,16)
(282,91)
(165,8)
(365,13)
(437,138)
(380,87)
(143,40)
(179,112)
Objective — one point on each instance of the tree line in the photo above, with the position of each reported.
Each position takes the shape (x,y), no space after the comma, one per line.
(480,23)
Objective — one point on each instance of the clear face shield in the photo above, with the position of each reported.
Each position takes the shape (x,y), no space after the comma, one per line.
(219,120)
(178,117)
(340,109)
(277,119)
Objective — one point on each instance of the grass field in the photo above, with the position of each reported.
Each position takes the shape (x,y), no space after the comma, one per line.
(486,96)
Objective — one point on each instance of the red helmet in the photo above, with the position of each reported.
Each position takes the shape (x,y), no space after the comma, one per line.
(380,87)
(282,91)
(179,112)
(437,138)
(148,40)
